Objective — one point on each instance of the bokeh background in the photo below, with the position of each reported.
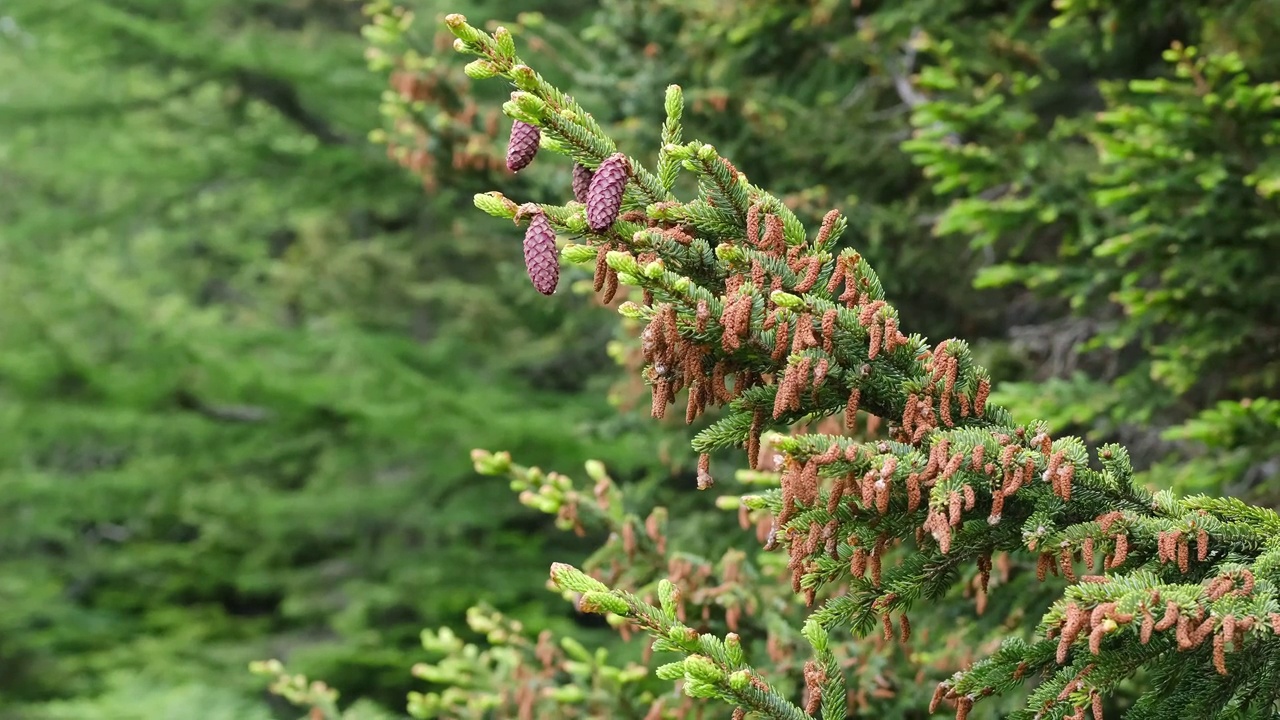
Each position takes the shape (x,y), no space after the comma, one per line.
(246,347)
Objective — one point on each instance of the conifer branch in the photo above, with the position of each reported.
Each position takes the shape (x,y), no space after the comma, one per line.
(749,312)
(712,668)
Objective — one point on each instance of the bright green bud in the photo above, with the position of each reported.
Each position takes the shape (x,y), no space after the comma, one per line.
(754,502)
(578,254)
(698,689)
(655,269)
(671,671)
(707,153)
(506,43)
(480,622)
(631,310)
(626,278)
(576,223)
(266,667)
(524,78)
(740,680)
(633,673)
(495,204)
(443,641)
(728,502)
(733,649)
(786,300)
(543,504)
(513,110)
(459,27)
(487,463)
(531,104)
(659,212)
(596,471)
(815,634)
(622,262)
(568,577)
(682,285)
(561,482)
(703,668)
(674,104)
(730,253)
(669,597)
(643,238)
(575,649)
(480,70)
(424,706)
(601,602)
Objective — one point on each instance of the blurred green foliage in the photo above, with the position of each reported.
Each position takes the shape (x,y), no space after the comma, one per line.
(243,362)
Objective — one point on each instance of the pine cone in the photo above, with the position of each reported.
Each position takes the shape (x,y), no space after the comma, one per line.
(540,255)
(523,145)
(581,181)
(604,196)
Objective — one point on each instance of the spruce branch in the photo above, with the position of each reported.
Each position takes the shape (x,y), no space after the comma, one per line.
(712,667)
(749,312)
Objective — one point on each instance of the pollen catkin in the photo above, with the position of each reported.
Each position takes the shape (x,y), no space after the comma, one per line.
(581,181)
(523,145)
(604,192)
(704,472)
(540,254)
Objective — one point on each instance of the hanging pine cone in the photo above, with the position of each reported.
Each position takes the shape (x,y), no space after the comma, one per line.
(604,196)
(522,146)
(540,255)
(581,181)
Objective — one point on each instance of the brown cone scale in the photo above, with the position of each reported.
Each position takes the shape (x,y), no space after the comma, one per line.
(604,195)
(540,255)
(523,145)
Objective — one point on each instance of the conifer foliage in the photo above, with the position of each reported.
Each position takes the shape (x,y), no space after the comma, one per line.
(748,311)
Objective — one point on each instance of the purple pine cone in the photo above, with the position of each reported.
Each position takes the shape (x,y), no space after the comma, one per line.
(522,146)
(604,195)
(540,255)
(581,181)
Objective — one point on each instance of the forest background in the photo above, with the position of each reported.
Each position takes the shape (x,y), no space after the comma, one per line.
(244,357)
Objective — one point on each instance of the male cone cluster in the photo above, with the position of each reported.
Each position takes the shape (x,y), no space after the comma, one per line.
(540,254)
(523,145)
(604,195)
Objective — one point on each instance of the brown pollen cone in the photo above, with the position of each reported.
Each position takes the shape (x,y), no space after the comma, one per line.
(540,255)
(523,145)
(604,194)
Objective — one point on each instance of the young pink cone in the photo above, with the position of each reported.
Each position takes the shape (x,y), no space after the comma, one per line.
(522,146)
(604,195)
(540,255)
(581,182)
